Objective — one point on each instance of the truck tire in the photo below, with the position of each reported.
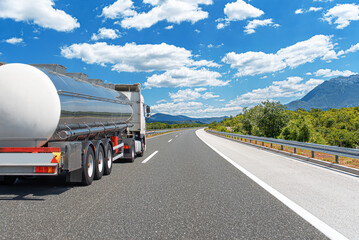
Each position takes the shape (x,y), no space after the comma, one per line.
(133,152)
(108,161)
(142,149)
(88,167)
(100,162)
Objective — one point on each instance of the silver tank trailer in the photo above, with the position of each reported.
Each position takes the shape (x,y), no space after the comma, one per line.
(42,103)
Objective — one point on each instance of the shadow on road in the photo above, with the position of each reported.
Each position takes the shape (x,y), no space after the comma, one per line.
(34,189)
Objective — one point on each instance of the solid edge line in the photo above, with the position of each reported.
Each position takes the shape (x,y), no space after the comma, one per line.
(317,223)
(170,140)
(149,157)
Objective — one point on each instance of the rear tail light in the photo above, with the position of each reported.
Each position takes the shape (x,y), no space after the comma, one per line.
(44,169)
(126,147)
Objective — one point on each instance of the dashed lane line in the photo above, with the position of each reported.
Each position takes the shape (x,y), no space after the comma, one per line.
(149,157)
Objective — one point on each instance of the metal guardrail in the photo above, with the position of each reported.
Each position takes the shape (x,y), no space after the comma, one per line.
(313,147)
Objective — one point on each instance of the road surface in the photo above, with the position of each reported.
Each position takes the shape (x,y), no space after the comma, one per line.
(179,189)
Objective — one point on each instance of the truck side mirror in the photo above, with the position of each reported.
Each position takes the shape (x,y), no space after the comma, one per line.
(148,111)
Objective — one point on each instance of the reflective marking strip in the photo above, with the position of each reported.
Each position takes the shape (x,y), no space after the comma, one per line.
(118,156)
(118,146)
(29,150)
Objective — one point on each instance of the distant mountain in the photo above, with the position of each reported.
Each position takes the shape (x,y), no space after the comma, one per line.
(160,117)
(335,93)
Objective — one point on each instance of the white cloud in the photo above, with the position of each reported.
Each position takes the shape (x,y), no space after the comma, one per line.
(189,95)
(185,95)
(131,57)
(343,15)
(169,27)
(353,48)
(299,11)
(172,11)
(322,0)
(180,70)
(39,12)
(161,101)
(215,46)
(252,25)
(204,63)
(311,9)
(177,108)
(237,11)
(209,95)
(253,63)
(106,33)
(195,109)
(14,40)
(221,25)
(185,77)
(120,8)
(211,111)
(333,73)
(315,9)
(197,31)
(241,10)
(292,87)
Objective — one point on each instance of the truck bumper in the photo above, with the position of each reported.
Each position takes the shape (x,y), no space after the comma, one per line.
(29,164)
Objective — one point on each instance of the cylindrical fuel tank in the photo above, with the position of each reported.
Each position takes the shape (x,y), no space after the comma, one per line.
(37,104)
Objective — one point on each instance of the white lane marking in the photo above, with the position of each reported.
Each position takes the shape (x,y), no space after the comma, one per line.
(170,140)
(176,136)
(149,157)
(316,222)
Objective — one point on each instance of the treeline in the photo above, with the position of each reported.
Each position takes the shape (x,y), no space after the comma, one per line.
(337,127)
(159,125)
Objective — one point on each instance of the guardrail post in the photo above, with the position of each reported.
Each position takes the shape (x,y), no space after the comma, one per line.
(295,150)
(241,139)
(336,159)
(281,147)
(250,141)
(312,154)
(256,142)
(262,143)
(271,145)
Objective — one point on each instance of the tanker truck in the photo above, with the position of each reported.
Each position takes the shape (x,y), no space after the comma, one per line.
(57,123)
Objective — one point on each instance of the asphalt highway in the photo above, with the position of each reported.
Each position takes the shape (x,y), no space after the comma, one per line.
(179,189)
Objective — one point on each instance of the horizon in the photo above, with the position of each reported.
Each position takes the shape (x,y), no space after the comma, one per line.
(199,58)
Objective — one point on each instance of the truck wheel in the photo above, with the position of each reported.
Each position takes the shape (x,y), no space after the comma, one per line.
(108,161)
(88,167)
(142,149)
(100,162)
(133,152)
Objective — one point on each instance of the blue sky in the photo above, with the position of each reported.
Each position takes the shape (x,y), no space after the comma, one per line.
(198,58)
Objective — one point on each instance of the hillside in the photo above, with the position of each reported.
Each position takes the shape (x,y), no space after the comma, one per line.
(160,117)
(335,93)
